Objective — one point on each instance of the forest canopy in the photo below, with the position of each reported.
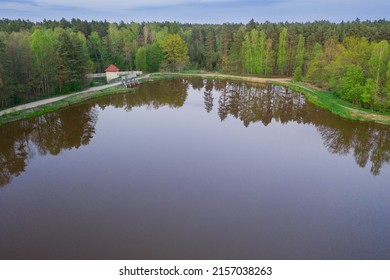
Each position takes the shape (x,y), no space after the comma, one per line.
(352,59)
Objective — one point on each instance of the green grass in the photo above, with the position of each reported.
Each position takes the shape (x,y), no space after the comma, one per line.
(321,98)
(51,107)
(344,109)
(197,74)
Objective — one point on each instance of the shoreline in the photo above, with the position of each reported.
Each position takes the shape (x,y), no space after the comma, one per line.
(53,99)
(320,98)
(38,108)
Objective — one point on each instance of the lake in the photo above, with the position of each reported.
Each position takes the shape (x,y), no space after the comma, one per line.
(195,169)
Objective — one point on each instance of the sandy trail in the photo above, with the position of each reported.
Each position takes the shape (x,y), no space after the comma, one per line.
(249,79)
(54,99)
(373,117)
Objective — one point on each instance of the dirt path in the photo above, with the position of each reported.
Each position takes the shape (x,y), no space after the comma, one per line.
(249,79)
(354,112)
(54,99)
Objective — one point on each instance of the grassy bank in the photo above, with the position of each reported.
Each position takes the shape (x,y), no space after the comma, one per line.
(321,98)
(54,106)
(344,109)
(318,97)
(194,74)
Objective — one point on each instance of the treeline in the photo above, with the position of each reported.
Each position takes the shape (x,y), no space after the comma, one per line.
(52,57)
(252,105)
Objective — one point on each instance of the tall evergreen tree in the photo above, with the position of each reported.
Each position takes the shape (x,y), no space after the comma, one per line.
(6,96)
(235,58)
(154,57)
(210,50)
(226,40)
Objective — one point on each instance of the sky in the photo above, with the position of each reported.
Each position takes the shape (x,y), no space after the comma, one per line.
(197,11)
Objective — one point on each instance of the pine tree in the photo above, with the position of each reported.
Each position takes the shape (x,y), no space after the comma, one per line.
(210,50)
(6,96)
(226,40)
(235,57)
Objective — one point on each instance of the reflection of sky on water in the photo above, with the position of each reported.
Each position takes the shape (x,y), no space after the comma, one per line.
(169,180)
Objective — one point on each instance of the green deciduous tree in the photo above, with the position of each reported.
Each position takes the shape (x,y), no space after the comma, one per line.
(210,50)
(140,59)
(269,58)
(378,65)
(175,52)
(352,85)
(149,58)
(56,61)
(262,51)
(44,52)
(20,72)
(299,59)
(98,52)
(154,57)
(282,51)
(247,52)
(254,49)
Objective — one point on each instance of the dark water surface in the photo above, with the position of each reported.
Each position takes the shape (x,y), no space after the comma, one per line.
(193,169)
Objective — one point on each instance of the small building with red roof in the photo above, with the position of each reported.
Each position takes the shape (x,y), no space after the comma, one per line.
(112,72)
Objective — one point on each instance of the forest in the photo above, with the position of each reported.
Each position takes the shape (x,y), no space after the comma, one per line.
(350,59)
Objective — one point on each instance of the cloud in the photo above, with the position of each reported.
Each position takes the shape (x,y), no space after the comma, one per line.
(18,6)
(119,4)
(196,11)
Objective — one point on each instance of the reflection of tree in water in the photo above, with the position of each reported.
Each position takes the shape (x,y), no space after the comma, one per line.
(367,142)
(223,106)
(14,155)
(155,95)
(67,129)
(208,95)
(71,128)
(254,103)
(50,133)
(64,130)
(208,101)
